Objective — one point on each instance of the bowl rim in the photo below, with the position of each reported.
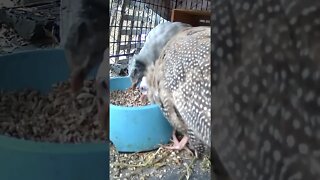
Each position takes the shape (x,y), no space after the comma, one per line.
(134,108)
(16,144)
(31,51)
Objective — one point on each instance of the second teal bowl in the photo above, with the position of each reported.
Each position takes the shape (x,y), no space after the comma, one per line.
(136,129)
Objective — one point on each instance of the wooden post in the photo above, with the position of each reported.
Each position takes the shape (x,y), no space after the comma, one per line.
(192,17)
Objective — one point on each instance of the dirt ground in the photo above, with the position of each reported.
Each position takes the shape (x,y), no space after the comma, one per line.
(11,42)
(158,164)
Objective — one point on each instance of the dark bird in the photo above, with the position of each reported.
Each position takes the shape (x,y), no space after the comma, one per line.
(266,58)
(85,45)
(179,82)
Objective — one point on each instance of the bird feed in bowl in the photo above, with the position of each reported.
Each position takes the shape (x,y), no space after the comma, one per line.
(59,116)
(130,97)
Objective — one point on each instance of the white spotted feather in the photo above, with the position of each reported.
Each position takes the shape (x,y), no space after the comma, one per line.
(180,80)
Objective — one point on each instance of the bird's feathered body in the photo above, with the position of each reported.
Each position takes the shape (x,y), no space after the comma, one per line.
(159,95)
(85,44)
(156,39)
(179,82)
(87,39)
(103,91)
(266,88)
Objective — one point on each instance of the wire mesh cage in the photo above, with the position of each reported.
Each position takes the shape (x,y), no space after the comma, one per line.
(132,20)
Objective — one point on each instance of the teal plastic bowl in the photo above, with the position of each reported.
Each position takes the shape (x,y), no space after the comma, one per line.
(136,129)
(28,160)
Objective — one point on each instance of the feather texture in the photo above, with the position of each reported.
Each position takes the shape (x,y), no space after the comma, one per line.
(179,82)
(155,41)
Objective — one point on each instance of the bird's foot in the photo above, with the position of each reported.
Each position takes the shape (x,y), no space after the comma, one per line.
(178,145)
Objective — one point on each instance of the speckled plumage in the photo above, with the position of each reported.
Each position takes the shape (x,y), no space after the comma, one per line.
(180,83)
(266,88)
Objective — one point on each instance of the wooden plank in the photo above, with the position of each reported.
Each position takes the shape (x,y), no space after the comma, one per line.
(204,5)
(192,17)
(167,5)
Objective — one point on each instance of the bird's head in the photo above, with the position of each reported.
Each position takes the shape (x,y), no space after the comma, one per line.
(136,71)
(143,88)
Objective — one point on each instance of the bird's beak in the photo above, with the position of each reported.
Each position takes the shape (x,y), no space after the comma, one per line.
(143,97)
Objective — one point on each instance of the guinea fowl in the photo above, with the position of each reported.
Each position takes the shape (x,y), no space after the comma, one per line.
(85,45)
(266,89)
(156,39)
(179,82)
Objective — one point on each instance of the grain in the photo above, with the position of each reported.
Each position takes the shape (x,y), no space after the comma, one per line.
(130,97)
(160,163)
(59,116)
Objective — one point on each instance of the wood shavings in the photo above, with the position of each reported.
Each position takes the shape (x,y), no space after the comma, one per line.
(131,97)
(60,116)
(158,164)
(9,39)
(7,3)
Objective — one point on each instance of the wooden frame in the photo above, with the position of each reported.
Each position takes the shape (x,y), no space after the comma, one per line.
(192,17)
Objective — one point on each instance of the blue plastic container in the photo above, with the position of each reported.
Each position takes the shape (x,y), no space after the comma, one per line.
(136,129)
(28,160)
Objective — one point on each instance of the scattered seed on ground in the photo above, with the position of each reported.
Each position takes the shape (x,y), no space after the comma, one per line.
(157,164)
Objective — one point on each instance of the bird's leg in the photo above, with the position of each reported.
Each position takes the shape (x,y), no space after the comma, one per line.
(176,144)
(102,89)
